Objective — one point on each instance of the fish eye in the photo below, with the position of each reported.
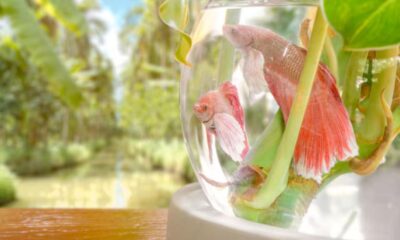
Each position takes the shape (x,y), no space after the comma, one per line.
(205,107)
(234,31)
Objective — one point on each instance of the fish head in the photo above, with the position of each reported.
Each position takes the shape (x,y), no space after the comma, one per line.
(238,35)
(204,108)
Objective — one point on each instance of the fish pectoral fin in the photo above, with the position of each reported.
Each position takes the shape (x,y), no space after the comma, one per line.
(230,136)
(253,70)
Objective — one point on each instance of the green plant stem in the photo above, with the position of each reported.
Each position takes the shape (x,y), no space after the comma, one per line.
(227,53)
(332,59)
(263,153)
(278,177)
(373,125)
(351,93)
(288,209)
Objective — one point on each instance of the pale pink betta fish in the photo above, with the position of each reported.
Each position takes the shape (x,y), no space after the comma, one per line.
(326,134)
(220,111)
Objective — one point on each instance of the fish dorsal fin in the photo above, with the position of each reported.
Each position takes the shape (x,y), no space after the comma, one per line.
(230,92)
(230,136)
(253,70)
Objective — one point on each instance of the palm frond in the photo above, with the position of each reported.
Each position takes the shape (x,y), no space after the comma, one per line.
(32,37)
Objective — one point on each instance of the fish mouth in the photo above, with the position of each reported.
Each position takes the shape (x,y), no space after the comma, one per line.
(208,120)
(197,112)
(228,30)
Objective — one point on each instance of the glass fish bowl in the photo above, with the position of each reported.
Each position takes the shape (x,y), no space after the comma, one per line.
(229,100)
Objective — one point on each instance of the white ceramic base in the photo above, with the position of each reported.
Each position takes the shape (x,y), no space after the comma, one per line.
(191,217)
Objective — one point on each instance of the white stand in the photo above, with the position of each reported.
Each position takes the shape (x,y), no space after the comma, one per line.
(191,217)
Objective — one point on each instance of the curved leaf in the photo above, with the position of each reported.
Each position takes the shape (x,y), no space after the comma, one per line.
(365,24)
(67,13)
(175,14)
(32,37)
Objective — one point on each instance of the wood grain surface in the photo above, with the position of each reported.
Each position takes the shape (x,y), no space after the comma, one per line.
(82,224)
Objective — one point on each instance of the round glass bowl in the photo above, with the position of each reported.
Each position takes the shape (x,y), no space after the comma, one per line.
(216,63)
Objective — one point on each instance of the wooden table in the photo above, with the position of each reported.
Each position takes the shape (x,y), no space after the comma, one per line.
(82,224)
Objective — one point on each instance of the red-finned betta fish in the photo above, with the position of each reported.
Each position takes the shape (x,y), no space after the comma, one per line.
(326,134)
(220,111)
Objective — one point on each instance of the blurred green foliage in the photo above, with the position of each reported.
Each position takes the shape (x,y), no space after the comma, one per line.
(7,188)
(150,106)
(42,133)
(284,20)
(29,35)
(169,155)
(151,111)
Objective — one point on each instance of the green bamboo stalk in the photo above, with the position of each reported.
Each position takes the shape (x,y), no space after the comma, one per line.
(373,125)
(227,53)
(278,176)
(332,59)
(351,93)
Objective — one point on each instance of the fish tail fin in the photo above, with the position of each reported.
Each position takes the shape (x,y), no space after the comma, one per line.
(326,134)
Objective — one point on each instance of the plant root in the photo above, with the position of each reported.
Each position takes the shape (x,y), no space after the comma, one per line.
(258,180)
(214,182)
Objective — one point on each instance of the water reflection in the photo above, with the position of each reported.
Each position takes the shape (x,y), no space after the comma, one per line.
(97,186)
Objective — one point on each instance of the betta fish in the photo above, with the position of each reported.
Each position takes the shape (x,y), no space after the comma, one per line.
(326,134)
(222,115)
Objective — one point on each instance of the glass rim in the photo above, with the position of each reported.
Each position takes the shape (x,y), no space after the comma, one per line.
(254,3)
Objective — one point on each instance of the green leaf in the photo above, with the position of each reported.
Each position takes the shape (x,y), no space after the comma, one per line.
(33,38)
(175,14)
(365,24)
(67,13)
